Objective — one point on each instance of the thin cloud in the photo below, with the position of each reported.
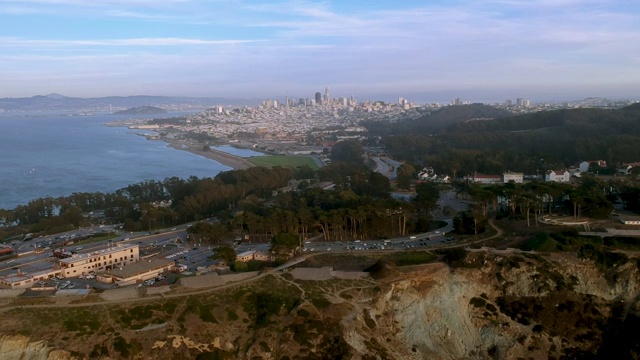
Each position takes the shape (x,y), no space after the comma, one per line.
(119,42)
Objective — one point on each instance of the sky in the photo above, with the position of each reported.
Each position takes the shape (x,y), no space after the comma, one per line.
(425,51)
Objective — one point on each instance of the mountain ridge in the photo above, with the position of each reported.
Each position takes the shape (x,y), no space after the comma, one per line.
(58,102)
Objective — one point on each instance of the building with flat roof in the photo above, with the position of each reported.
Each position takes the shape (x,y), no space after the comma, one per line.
(21,279)
(512,176)
(100,260)
(16,281)
(136,272)
(245,256)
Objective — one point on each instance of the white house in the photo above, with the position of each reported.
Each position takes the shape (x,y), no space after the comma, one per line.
(427,173)
(511,176)
(625,169)
(557,176)
(584,166)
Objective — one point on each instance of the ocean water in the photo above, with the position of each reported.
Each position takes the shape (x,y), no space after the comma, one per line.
(53,155)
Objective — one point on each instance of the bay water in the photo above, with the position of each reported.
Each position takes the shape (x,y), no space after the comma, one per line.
(55,155)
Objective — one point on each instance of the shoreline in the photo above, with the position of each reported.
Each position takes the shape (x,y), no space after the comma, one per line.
(233,161)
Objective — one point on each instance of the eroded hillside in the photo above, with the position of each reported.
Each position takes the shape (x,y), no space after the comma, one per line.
(485,304)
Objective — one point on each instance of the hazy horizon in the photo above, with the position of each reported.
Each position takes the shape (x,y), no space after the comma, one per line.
(425,51)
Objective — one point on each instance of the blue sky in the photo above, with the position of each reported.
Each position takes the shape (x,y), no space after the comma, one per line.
(478,50)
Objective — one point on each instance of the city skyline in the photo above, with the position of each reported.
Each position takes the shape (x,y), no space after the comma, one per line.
(485,51)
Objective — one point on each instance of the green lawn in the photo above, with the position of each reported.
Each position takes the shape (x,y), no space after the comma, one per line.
(283,160)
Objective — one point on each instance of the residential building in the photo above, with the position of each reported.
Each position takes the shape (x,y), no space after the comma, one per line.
(557,176)
(512,176)
(625,169)
(584,166)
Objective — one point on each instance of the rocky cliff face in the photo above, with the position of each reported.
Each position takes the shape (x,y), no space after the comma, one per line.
(18,347)
(497,306)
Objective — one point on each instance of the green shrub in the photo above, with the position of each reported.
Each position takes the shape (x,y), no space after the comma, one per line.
(120,345)
(232,316)
(478,302)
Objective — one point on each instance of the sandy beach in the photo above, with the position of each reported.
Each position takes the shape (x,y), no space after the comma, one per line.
(233,161)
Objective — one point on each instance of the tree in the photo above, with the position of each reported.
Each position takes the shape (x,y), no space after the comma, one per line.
(427,195)
(469,222)
(406,173)
(348,151)
(225,253)
(284,243)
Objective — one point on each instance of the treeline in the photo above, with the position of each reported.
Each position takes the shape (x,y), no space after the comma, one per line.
(336,215)
(530,143)
(150,204)
(355,205)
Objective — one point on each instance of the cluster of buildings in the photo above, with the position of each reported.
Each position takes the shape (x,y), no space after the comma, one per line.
(563,175)
(120,264)
(428,174)
(294,120)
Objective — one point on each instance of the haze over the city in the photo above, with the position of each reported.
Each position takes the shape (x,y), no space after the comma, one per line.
(481,50)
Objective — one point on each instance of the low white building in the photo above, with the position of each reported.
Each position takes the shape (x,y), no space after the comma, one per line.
(557,176)
(483,178)
(512,176)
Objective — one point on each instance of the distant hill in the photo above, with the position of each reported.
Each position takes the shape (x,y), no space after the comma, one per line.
(57,102)
(142,110)
(571,122)
(530,143)
(437,121)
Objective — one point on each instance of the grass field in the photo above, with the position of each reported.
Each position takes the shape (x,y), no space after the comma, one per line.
(282,160)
